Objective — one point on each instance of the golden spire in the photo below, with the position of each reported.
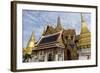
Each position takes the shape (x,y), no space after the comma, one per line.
(85,36)
(31,44)
(84,28)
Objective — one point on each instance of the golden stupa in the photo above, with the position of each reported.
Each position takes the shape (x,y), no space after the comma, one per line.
(85,35)
(31,44)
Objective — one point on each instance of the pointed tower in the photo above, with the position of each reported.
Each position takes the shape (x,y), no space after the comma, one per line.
(31,44)
(58,27)
(84,43)
(84,28)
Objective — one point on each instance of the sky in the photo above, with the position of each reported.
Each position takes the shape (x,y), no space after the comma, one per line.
(37,20)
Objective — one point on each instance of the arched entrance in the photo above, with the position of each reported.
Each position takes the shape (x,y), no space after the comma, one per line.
(68,55)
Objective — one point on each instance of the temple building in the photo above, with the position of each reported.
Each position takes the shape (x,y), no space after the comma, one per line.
(59,44)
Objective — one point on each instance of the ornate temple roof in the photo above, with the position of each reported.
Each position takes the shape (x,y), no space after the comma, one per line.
(49,30)
(50,41)
(54,40)
(47,39)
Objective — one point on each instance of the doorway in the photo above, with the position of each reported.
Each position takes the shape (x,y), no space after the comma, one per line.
(68,55)
(50,57)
